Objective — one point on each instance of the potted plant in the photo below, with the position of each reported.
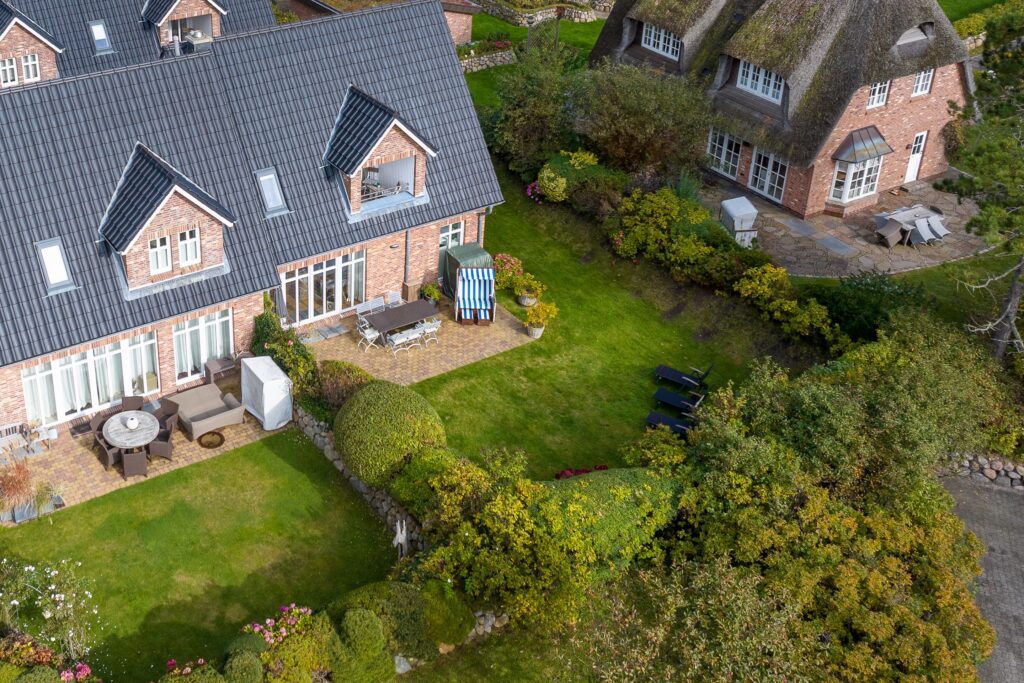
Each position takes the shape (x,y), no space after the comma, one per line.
(431,292)
(527,289)
(538,316)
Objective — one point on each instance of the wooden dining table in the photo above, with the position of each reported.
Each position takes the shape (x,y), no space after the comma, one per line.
(116,431)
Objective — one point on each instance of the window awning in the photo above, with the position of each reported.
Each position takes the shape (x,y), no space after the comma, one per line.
(861,145)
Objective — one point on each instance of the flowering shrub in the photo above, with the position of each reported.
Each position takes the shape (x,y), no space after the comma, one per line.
(198,671)
(291,619)
(569,473)
(51,603)
(479,48)
(301,646)
(79,672)
(19,649)
(507,269)
(534,192)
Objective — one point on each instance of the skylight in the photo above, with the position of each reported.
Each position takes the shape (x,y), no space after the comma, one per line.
(100,39)
(55,265)
(273,200)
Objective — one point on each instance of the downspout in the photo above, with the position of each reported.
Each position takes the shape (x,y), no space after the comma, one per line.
(408,255)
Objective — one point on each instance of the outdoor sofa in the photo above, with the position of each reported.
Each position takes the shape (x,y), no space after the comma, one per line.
(204,409)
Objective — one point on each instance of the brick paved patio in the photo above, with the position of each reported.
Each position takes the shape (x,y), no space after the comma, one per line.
(826,246)
(457,345)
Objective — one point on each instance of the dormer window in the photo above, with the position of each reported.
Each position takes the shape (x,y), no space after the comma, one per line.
(761,82)
(188,247)
(159,255)
(659,40)
(273,199)
(100,39)
(55,266)
(918,33)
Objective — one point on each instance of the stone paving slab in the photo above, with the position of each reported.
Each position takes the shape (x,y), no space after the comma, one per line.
(457,345)
(996,515)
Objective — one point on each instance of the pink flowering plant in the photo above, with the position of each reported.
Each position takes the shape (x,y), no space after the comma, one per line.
(291,620)
(176,670)
(533,192)
(507,269)
(80,672)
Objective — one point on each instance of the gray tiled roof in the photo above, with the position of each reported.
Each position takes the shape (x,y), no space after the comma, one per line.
(261,99)
(9,13)
(145,182)
(134,42)
(155,10)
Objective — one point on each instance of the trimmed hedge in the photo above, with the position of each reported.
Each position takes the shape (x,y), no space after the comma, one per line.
(975,24)
(302,655)
(366,659)
(414,621)
(247,642)
(340,380)
(204,674)
(381,427)
(39,674)
(9,672)
(243,666)
(411,486)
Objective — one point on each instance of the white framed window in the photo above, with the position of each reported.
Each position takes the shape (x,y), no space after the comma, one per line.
(324,288)
(8,72)
(159,255)
(451,235)
(85,382)
(879,94)
(659,40)
(188,247)
(724,153)
(30,68)
(55,265)
(768,175)
(923,83)
(273,199)
(100,39)
(853,181)
(199,340)
(761,82)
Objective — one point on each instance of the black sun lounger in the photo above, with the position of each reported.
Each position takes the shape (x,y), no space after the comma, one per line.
(682,379)
(678,426)
(683,404)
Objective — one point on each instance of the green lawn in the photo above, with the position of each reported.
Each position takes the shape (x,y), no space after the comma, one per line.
(958,9)
(180,562)
(952,300)
(582,36)
(575,396)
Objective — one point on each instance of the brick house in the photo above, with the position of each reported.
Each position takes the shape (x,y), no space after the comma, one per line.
(148,210)
(822,104)
(75,38)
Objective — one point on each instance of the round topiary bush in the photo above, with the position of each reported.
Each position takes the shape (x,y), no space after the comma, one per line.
(381,427)
(340,380)
(243,666)
(202,674)
(249,642)
(366,657)
(39,674)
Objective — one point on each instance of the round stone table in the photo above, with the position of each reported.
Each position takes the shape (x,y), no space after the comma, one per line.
(116,432)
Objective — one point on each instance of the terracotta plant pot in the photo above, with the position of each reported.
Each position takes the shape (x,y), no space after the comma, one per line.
(534,332)
(526,300)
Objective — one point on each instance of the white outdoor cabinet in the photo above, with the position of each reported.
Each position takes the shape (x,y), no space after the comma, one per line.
(738,217)
(266,392)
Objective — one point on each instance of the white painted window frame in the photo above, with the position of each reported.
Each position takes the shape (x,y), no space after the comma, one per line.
(859,180)
(724,152)
(771,173)
(766,84)
(661,41)
(345,270)
(923,82)
(30,72)
(159,251)
(878,95)
(188,240)
(200,326)
(8,72)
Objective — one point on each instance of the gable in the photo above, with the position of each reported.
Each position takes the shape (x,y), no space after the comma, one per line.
(177,209)
(10,20)
(156,12)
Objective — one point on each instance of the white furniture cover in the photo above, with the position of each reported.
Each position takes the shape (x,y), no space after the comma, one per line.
(738,216)
(266,392)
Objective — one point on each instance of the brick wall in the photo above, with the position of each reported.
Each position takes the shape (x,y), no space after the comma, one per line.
(899,120)
(18,42)
(186,9)
(175,216)
(460,25)
(385,257)
(243,312)
(395,146)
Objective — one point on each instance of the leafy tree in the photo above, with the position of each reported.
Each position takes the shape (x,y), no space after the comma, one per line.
(533,121)
(641,119)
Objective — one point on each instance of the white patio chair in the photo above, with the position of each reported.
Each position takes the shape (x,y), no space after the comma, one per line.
(367,335)
(403,341)
(377,305)
(429,329)
(394,299)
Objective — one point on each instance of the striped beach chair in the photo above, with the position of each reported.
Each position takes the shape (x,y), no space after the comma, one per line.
(474,295)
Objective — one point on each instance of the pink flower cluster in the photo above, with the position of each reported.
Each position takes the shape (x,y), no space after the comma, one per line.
(189,668)
(290,621)
(79,672)
(567,473)
(533,192)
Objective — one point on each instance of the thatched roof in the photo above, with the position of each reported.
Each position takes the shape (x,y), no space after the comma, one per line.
(825,49)
(669,14)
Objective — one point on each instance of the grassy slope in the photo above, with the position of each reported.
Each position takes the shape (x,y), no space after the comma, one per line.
(182,561)
(582,36)
(575,396)
(958,9)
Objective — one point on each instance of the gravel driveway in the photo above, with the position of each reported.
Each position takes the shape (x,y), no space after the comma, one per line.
(996,515)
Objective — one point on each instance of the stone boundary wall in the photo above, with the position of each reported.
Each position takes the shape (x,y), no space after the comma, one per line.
(473,64)
(975,42)
(383,505)
(994,470)
(513,16)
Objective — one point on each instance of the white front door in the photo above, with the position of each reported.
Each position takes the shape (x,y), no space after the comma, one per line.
(916,154)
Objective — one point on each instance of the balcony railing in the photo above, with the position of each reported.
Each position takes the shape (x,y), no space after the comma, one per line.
(372,192)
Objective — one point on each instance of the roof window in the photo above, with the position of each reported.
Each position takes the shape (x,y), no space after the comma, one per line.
(273,199)
(100,39)
(55,266)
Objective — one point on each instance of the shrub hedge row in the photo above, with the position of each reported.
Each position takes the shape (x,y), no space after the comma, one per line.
(976,23)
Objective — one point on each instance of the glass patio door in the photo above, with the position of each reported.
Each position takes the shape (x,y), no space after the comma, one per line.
(451,236)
